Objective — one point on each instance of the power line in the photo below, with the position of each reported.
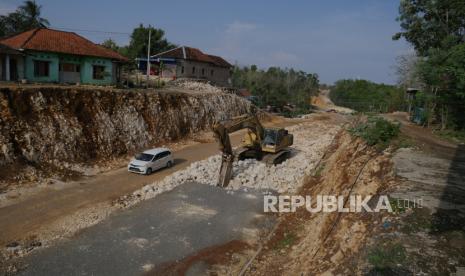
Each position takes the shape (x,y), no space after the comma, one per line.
(92,31)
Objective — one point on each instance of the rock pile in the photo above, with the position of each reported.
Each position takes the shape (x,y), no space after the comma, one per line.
(310,142)
(198,86)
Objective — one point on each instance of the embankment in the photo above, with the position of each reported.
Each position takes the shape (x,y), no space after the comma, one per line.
(58,126)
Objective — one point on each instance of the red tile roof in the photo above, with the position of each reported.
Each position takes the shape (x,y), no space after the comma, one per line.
(194,54)
(220,61)
(48,40)
(9,50)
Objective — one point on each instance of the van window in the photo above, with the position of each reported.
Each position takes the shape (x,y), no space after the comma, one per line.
(163,154)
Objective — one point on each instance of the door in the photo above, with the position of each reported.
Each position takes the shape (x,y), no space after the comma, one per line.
(157,162)
(13,69)
(162,159)
(70,73)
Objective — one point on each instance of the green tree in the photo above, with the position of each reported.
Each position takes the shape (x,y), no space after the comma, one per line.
(366,96)
(110,44)
(26,17)
(427,23)
(30,12)
(443,72)
(436,29)
(139,42)
(277,87)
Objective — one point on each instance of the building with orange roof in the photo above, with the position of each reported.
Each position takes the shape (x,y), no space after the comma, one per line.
(47,55)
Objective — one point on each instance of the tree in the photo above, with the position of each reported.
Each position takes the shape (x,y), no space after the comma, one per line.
(26,17)
(277,87)
(366,96)
(407,70)
(427,23)
(30,13)
(436,29)
(110,44)
(139,42)
(444,74)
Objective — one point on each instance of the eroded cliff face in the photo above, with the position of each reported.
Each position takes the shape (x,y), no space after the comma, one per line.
(50,125)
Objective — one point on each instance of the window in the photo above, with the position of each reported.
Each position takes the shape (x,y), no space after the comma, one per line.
(203,71)
(211,72)
(69,67)
(41,68)
(193,70)
(98,72)
(182,69)
(144,157)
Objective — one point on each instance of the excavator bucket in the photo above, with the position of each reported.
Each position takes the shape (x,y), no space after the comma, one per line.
(225,170)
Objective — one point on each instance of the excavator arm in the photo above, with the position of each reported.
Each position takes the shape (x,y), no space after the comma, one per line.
(222,130)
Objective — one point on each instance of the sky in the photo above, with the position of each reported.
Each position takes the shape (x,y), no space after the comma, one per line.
(334,38)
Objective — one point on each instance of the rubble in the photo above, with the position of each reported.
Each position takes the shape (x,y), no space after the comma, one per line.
(310,142)
(198,86)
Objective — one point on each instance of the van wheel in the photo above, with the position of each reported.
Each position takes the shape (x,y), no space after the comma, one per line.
(148,171)
(169,164)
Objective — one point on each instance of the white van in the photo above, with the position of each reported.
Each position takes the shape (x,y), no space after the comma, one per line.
(151,160)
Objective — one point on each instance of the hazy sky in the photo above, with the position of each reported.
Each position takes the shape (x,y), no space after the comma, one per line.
(336,39)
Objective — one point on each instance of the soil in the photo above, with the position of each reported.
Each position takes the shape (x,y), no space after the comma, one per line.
(211,256)
(411,240)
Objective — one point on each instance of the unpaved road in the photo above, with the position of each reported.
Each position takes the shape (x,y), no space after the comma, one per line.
(19,220)
(178,223)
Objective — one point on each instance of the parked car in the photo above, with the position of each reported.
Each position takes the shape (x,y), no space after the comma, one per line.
(151,160)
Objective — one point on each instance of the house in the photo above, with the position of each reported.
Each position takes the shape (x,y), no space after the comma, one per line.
(47,55)
(188,62)
(11,63)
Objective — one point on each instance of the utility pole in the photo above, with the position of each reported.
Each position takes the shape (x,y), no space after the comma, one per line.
(148,57)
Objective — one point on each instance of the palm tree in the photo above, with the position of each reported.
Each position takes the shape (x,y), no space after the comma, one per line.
(26,17)
(30,11)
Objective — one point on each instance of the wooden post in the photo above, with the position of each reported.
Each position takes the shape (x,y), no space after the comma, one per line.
(7,67)
(148,58)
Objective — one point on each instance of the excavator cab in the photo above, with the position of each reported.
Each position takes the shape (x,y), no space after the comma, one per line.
(276,139)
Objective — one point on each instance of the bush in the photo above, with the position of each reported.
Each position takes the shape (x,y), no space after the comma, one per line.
(376,131)
(388,255)
(457,136)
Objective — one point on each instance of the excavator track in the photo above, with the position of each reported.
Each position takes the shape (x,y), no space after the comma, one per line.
(276,158)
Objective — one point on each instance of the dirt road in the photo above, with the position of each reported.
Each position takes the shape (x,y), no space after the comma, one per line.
(19,220)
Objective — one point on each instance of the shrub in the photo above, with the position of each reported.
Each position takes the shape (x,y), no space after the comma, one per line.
(376,131)
(387,255)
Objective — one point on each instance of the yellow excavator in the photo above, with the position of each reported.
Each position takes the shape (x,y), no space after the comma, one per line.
(269,145)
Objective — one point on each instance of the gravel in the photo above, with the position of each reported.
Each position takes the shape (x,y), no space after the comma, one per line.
(310,143)
(198,86)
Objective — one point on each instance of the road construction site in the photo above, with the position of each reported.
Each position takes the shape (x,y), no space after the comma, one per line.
(178,222)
